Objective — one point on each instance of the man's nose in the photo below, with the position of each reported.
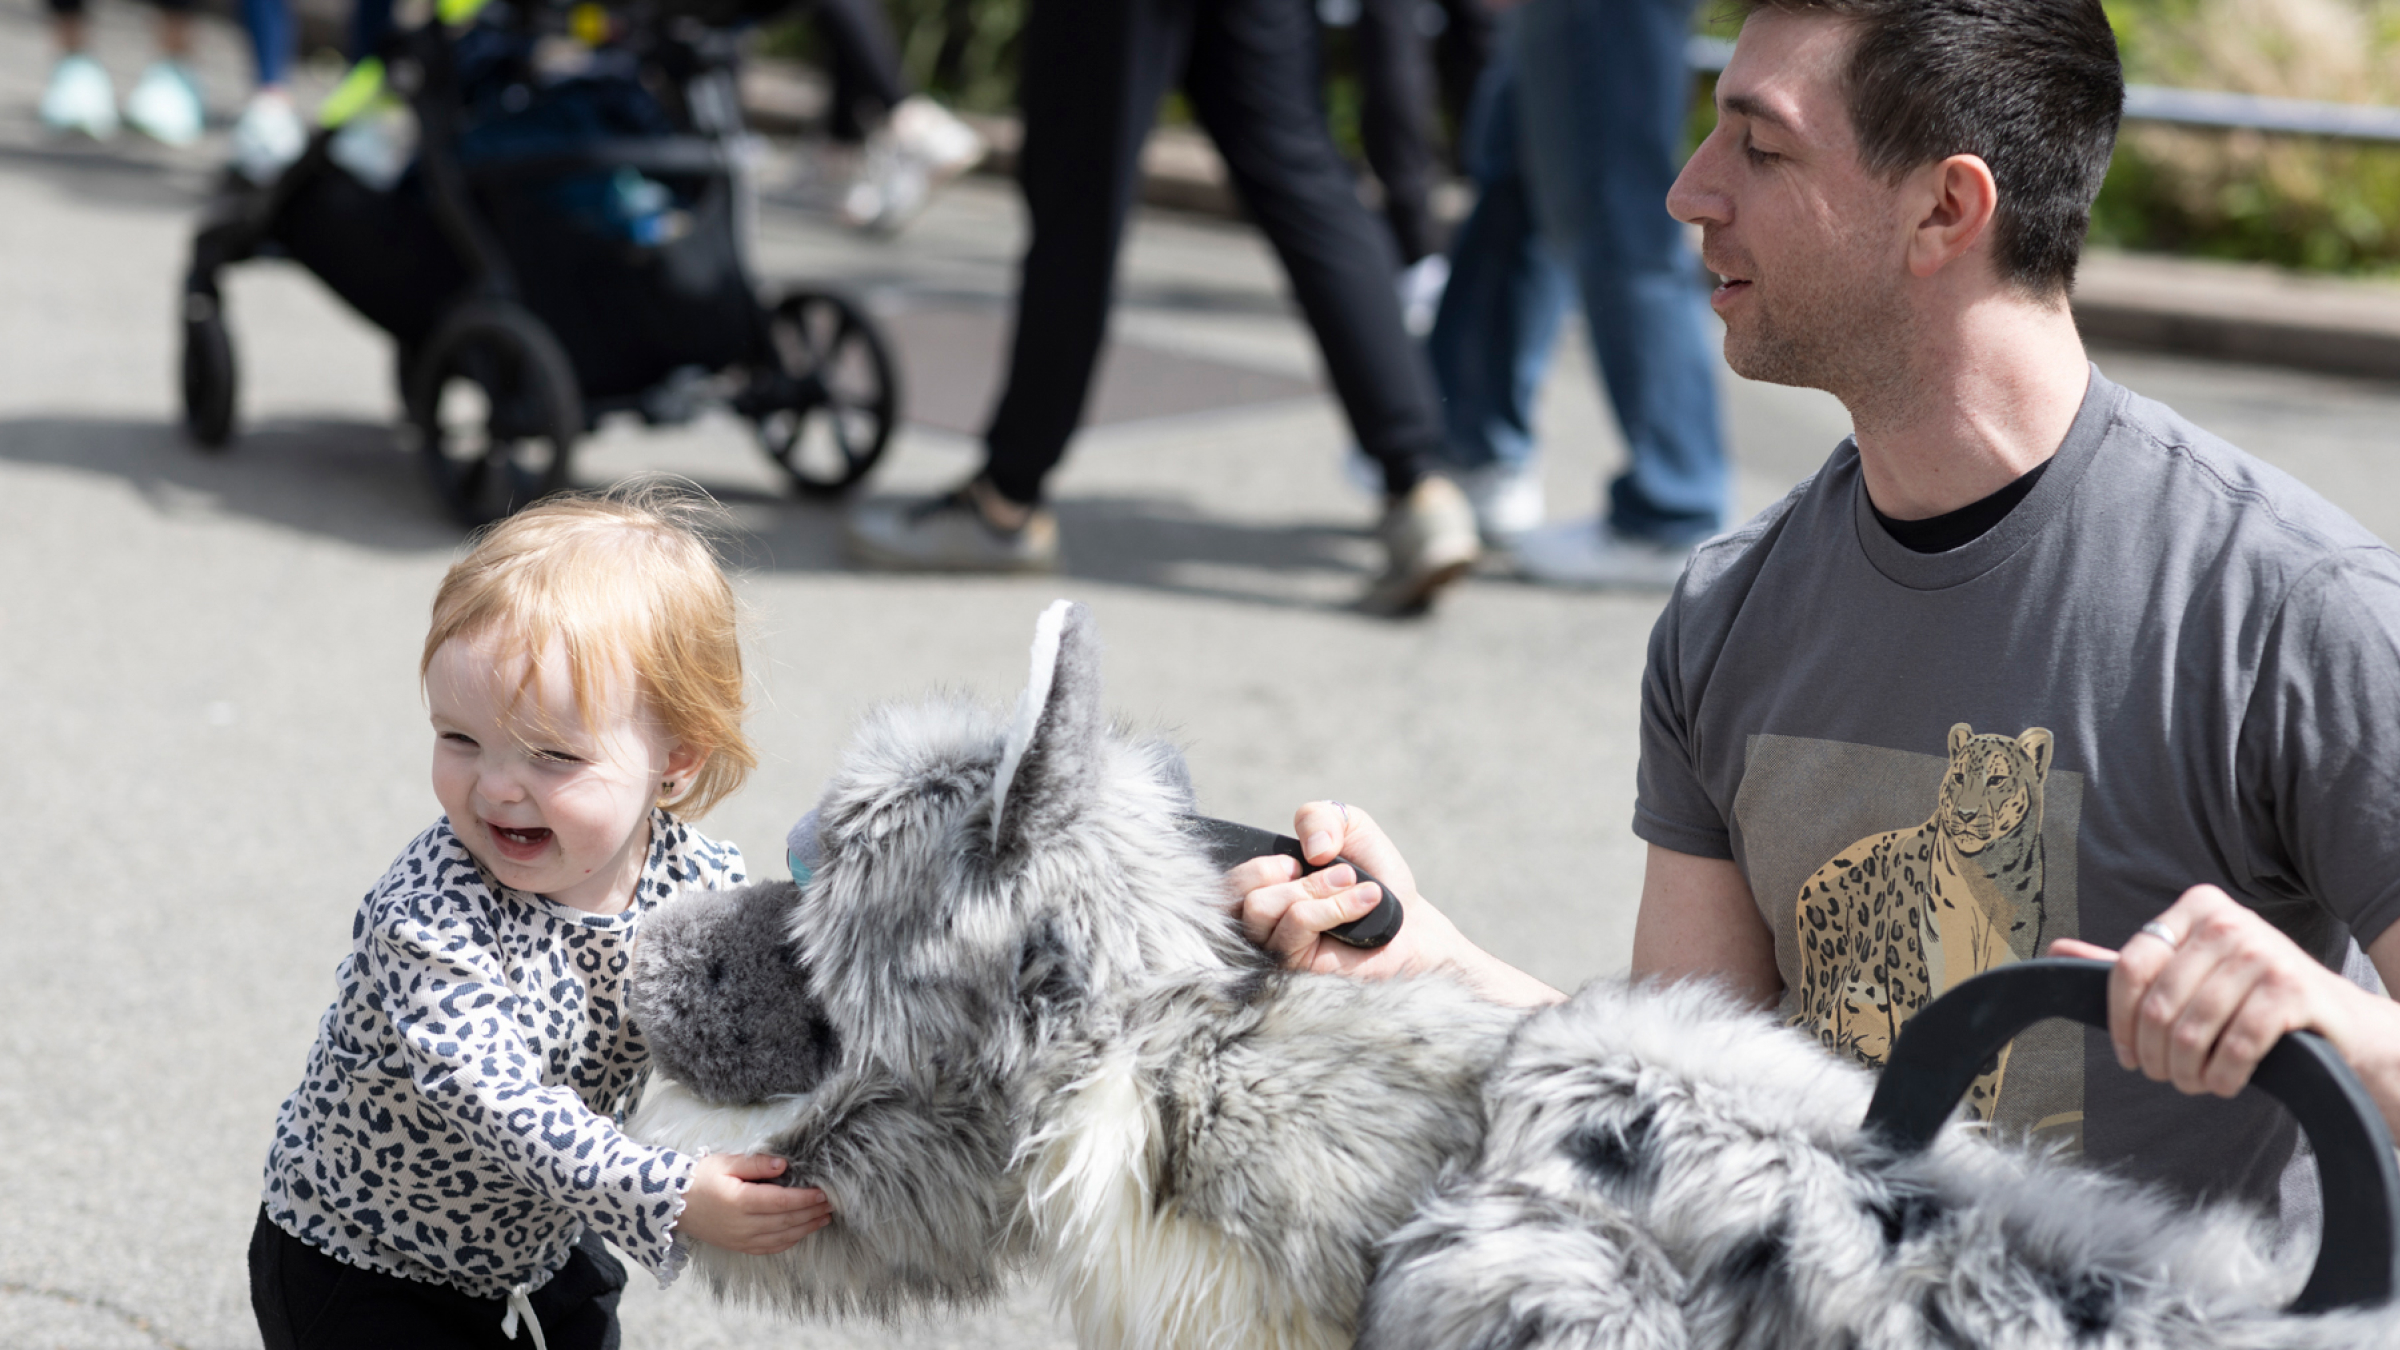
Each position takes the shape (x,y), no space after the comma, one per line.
(1694,199)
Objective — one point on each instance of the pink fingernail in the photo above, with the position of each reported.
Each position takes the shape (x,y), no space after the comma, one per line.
(1318,844)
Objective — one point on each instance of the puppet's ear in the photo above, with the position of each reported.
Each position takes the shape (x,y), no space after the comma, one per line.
(1053,752)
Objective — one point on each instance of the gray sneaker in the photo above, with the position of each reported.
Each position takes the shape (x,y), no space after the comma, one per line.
(948,534)
(1588,553)
(1430,535)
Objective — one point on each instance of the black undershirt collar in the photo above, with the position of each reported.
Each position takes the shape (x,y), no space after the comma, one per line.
(1956,529)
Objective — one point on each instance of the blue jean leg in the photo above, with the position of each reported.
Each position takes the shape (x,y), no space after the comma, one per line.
(1602,95)
(271,38)
(1499,317)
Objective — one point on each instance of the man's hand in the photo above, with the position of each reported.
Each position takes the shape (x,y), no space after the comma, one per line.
(2201,994)
(726,1207)
(1287,914)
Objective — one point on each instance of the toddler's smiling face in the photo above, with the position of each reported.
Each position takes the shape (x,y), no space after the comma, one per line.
(549,796)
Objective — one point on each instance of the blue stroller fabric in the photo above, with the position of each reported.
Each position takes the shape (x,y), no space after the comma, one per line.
(637,275)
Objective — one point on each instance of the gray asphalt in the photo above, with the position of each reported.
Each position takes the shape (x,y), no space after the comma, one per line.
(213,742)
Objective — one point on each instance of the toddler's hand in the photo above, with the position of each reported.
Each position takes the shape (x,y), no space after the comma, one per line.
(727,1207)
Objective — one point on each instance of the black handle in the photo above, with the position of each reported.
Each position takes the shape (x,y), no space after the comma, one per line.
(1946,1043)
(1228,844)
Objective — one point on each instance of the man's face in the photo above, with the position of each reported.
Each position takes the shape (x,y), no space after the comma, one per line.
(1808,244)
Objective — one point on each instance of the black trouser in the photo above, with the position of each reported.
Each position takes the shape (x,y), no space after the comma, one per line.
(865,60)
(1092,74)
(1395,118)
(305,1299)
(1398,99)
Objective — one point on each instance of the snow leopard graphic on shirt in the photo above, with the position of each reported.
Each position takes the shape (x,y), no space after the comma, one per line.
(1892,921)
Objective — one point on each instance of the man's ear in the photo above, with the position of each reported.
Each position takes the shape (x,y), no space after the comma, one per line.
(1959,198)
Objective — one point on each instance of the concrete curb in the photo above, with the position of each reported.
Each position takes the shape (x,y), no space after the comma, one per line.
(2240,312)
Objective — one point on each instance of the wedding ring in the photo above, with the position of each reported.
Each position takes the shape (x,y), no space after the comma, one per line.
(2160,931)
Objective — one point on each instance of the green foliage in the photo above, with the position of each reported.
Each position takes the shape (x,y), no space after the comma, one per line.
(964,52)
(2297,201)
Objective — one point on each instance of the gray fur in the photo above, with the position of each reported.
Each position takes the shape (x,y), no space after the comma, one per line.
(724,993)
(1023,959)
(1664,1169)
(977,970)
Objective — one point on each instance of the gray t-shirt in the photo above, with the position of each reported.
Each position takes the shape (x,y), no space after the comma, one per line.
(2169,664)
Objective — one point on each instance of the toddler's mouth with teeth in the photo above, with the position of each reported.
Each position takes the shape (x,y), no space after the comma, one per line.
(526,841)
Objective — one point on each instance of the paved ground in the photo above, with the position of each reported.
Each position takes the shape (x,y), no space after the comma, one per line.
(213,742)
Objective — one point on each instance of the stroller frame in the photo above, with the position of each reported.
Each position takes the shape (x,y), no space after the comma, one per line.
(492,400)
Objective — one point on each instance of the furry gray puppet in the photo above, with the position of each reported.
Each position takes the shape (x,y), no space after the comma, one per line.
(1010,1025)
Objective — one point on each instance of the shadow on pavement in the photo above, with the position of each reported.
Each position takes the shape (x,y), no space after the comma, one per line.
(1152,543)
(121,175)
(343,479)
(352,481)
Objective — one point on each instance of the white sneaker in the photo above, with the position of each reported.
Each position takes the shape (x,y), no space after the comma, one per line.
(267,138)
(889,190)
(1421,285)
(1429,538)
(1507,499)
(165,104)
(928,133)
(920,148)
(1589,553)
(80,97)
(377,145)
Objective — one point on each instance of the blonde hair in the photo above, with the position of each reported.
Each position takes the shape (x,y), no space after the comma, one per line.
(626,576)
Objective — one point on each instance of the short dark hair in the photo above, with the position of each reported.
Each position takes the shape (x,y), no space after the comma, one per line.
(2033,87)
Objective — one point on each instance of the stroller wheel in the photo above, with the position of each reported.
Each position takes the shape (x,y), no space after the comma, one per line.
(496,410)
(208,373)
(828,406)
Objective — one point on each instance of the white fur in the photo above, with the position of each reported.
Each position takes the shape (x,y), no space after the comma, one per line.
(671,1116)
(1046,632)
(1134,1273)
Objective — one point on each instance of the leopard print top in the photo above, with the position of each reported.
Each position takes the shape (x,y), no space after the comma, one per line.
(458,1123)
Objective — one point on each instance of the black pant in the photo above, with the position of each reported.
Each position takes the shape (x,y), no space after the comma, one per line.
(865,60)
(1398,99)
(1395,118)
(1092,73)
(304,1299)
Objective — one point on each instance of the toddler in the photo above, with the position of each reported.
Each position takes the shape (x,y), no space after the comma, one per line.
(452,1158)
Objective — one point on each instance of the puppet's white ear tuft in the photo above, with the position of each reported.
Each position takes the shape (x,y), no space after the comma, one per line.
(1030,705)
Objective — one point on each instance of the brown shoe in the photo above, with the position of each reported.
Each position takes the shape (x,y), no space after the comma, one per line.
(1431,538)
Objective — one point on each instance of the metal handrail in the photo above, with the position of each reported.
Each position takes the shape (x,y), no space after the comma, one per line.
(2214,109)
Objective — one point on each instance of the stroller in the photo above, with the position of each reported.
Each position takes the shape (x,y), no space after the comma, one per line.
(569,242)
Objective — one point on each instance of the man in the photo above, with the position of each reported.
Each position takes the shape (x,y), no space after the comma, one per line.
(2028,656)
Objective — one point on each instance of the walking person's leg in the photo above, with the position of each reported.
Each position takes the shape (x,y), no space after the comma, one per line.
(1460,54)
(1091,76)
(1604,97)
(865,64)
(165,102)
(1396,106)
(904,144)
(79,97)
(1491,341)
(1252,80)
(268,135)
